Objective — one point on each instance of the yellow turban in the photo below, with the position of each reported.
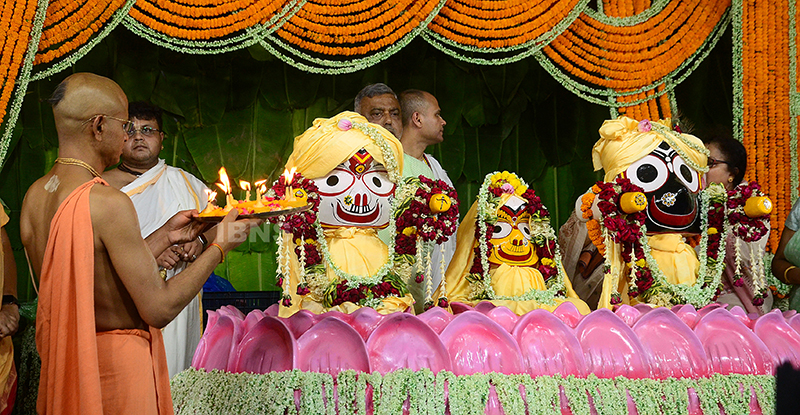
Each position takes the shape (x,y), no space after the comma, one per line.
(326,145)
(622,143)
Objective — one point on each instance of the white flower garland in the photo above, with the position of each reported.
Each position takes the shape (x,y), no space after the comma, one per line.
(216,392)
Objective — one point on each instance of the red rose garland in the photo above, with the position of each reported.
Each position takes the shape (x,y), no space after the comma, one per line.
(748,230)
(417,223)
(301,227)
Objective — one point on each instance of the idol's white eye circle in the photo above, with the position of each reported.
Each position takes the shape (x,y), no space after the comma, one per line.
(689,177)
(501,230)
(649,173)
(335,182)
(525,228)
(378,182)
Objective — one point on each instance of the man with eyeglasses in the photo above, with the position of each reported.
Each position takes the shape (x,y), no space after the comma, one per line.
(101,299)
(158,191)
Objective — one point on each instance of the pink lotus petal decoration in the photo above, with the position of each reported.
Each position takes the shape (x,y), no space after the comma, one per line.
(636,342)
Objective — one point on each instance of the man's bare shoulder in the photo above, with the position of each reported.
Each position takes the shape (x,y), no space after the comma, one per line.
(108,202)
(35,197)
(117,178)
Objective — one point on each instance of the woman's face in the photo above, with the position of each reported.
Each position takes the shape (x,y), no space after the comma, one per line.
(718,169)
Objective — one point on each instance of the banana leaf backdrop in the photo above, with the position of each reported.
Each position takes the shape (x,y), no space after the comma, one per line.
(242,110)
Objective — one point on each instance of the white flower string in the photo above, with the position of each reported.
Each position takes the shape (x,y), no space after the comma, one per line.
(216,392)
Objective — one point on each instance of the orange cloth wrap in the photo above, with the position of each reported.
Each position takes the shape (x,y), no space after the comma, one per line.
(66,337)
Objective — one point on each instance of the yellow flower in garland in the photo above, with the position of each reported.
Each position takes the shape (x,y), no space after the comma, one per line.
(500,179)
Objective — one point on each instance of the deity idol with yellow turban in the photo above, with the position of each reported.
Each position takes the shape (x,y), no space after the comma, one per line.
(650,202)
(333,256)
(507,253)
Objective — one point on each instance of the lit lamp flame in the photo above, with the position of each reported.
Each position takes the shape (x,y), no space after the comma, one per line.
(246,187)
(261,188)
(226,187)
(212,200)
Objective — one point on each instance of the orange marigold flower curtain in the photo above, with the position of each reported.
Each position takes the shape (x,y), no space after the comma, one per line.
(765,100)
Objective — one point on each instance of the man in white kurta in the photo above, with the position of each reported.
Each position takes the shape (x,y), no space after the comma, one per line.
(423,125)
(158,191)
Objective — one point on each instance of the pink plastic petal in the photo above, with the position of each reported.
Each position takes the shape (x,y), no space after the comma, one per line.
(484,307)
(437,318)
(548,346)
(610,347)
(477,344)
(674,351)
(365,320)
(250,320)
(459,308)
(403,341)
(688,315)
(731,347)
(267,347)
(628,314)
(781,340)
(299,322)
(569,314)
(216,345)
(741,315)
(332,346)
(503,316)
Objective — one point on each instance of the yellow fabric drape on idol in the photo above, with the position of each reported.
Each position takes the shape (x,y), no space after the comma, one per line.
(323,146)
(506,279)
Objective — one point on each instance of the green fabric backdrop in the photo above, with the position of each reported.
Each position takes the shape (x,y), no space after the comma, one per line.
(243,109)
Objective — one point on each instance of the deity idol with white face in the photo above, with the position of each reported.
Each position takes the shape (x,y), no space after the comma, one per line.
(356,193)
(337,261)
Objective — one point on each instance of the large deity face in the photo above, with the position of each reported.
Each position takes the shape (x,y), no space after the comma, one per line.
(511,237)
(671,187)
(356,193)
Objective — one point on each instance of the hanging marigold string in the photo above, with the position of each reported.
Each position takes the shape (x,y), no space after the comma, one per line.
(17,24)
(765,94)
(616,61)
(320,27)
(195,20)
(498,24)
(64,36)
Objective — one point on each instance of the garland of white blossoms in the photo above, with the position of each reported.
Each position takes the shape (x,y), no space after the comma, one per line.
(540,228)
(218,392)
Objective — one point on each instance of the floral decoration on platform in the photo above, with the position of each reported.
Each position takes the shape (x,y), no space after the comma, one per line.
(748,230)
(494,186)
(722,212)
(427,213)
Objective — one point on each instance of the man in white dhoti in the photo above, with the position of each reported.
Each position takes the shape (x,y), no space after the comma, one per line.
(158,191)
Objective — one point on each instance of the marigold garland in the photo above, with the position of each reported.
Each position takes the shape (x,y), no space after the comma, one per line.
(765,78)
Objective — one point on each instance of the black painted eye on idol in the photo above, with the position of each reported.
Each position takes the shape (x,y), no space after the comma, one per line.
(672,189)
